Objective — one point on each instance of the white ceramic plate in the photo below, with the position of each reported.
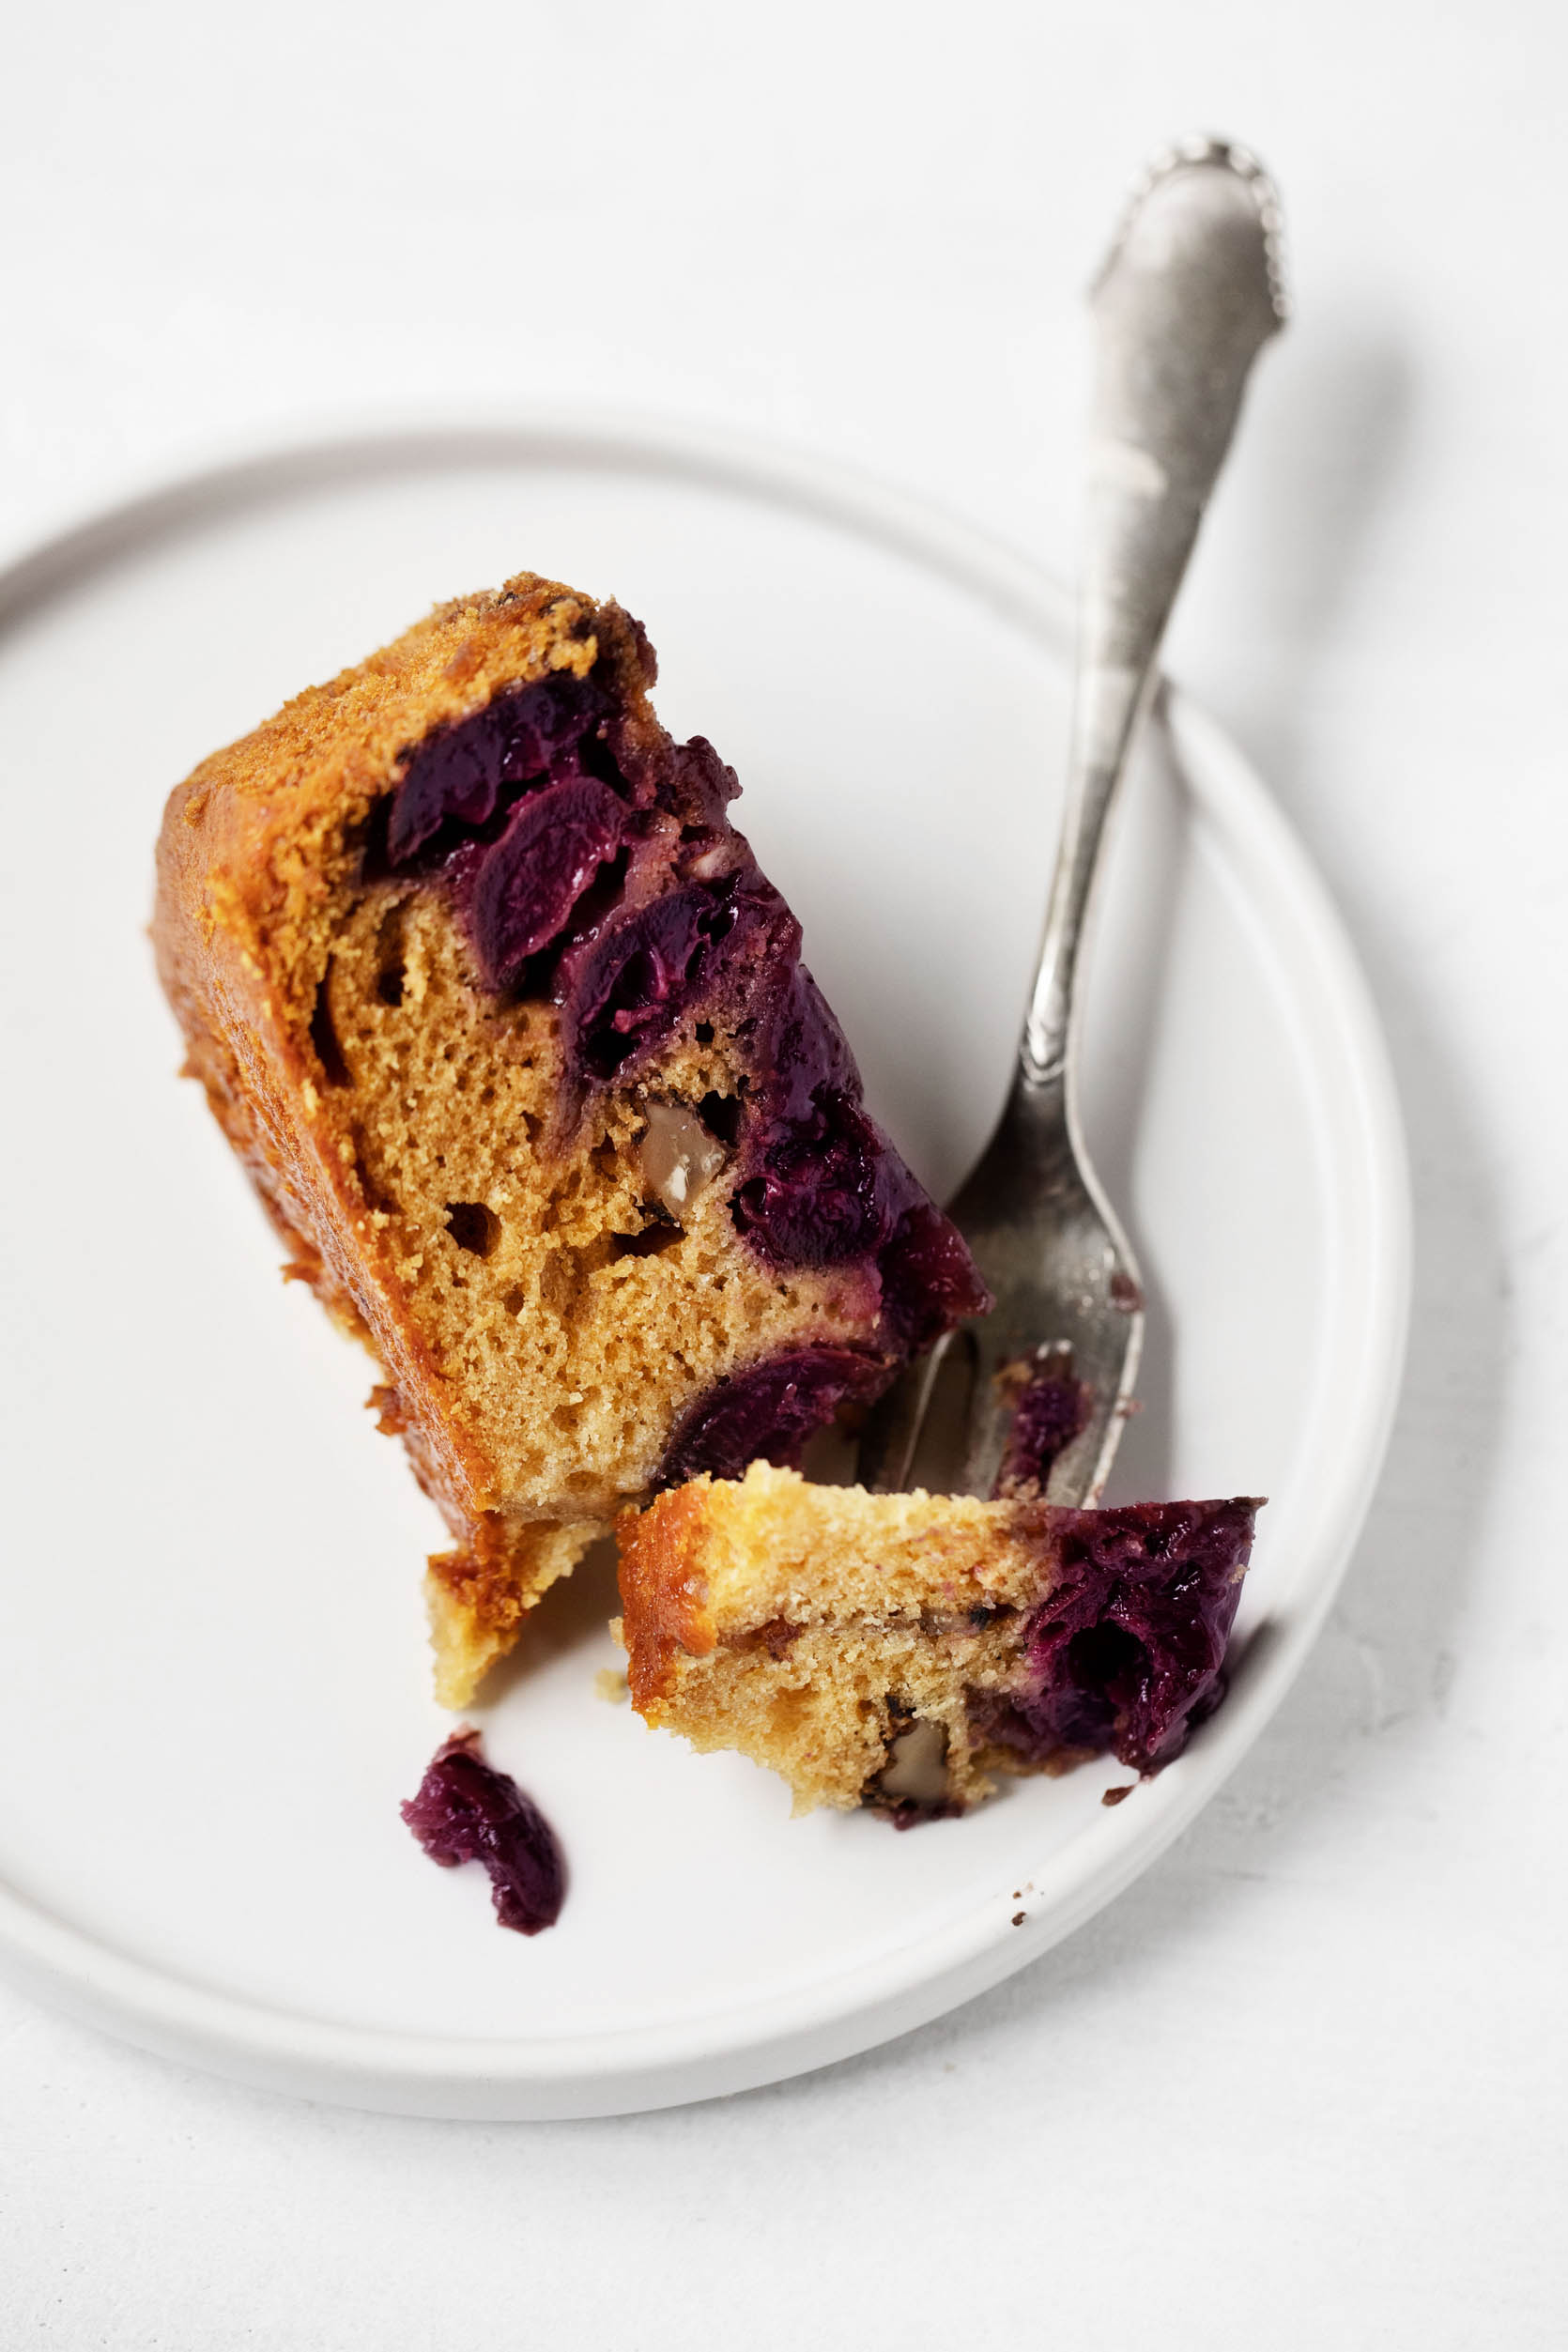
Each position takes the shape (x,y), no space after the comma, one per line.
(213,1678)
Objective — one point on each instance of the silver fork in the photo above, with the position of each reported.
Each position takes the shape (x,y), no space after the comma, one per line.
(1188,296)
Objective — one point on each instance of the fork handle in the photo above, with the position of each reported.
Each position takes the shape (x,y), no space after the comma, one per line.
(1187,299)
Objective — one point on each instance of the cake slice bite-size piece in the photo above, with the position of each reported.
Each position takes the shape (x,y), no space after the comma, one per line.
(514,1039)
(899,1651)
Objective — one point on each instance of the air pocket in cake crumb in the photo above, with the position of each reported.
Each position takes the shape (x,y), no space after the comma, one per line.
(472,1226)
(651,1242)
(392,968)
(324,1037)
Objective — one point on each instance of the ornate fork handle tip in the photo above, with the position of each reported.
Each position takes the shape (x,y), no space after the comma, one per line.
(1187,295)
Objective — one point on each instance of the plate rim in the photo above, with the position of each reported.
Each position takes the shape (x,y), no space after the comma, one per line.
(789,2030)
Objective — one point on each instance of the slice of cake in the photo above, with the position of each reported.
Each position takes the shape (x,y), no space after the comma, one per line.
(897,1650)
(515,1043)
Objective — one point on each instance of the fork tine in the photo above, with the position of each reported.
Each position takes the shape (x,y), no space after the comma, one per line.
(1066,1287)
(891,1439)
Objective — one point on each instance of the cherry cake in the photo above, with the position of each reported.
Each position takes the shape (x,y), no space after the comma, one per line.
(514,1040)
(898,1650)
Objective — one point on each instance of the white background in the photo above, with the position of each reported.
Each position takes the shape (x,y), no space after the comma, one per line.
(1305,2084)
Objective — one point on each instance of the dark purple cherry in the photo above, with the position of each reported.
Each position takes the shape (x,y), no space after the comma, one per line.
(458,776)
(816,1199)
(464,1810)
(1128,1650)
(807,1055)
(767,1413)
(530,881)
(651,968)
(640,976)
(1048,1414)
(928,1279)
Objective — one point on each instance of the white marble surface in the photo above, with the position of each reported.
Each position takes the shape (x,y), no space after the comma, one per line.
(1305,2082)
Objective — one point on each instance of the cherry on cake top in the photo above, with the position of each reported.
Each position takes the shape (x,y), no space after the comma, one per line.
(1127,1651)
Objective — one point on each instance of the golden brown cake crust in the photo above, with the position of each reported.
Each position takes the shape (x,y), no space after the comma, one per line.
(664,1591)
